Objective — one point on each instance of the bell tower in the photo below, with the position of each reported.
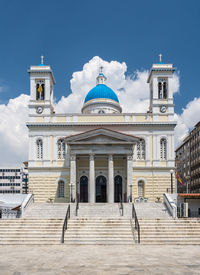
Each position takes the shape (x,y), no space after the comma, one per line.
(161,95)
(41,90)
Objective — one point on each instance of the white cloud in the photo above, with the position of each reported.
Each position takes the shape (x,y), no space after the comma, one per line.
(13,131)
(189,117)
(132,91)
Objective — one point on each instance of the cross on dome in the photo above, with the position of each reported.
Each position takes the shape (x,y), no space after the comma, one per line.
(101,69)
(101,79)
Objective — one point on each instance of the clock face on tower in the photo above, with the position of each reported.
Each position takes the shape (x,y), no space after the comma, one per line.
(39,109)
(163,109)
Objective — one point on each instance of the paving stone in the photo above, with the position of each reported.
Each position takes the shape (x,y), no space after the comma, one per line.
(136,259)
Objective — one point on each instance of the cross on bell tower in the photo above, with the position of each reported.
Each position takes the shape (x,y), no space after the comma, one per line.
(160,56)
(42,60)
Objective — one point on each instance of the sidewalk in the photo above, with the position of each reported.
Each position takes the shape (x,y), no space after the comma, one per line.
(136,259)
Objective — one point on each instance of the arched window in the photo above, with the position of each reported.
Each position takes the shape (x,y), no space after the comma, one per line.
(61,187)
(141,188)
(141,150)
(162,89)
(40,90)
(61,149)
(39,144)
(159,90)
(163,149)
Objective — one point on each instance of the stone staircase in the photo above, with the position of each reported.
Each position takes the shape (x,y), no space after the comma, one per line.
(30,231)
(46,211)
(151,211)
(99,210)
(41,224)
(170,231)
(98,224)
(101,231)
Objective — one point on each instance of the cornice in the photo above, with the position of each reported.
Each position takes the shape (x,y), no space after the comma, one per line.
(58,124)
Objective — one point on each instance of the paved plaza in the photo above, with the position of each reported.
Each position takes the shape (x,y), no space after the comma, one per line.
(136,259)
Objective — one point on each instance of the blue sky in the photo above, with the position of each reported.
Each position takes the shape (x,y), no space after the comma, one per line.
(70,32)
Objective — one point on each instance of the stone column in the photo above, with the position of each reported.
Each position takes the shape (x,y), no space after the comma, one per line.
(110,179)
(72,178)
(129,177)
(91,179)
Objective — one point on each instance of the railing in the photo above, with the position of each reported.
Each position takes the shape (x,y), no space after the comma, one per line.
(137,226)
(27,202)
(121,205)
(77,204)
(67,217)
(171,206)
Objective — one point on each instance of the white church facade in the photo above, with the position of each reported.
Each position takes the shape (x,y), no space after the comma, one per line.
(101,154)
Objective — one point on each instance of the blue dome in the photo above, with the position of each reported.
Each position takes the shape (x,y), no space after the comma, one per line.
(101,91)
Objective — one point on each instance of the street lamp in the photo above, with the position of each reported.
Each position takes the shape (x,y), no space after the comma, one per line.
(131,187)
(171,172)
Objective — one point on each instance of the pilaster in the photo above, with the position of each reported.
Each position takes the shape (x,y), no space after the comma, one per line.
(110,179)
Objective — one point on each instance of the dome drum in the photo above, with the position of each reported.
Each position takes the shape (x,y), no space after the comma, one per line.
(101,106)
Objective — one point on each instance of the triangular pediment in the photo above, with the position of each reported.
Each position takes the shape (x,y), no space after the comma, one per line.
(101,136)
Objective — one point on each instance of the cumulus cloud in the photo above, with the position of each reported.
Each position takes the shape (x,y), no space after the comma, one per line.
(132,91)
(187,119)
(13,131)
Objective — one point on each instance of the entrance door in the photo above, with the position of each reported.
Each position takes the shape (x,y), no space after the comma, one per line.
(83,189)
(101,189)
(118,188)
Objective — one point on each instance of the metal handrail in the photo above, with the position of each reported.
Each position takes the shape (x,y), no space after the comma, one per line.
(121,205)
(137,226)
(77,204)
(67,217)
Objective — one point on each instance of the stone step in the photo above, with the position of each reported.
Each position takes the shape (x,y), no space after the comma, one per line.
(100,242)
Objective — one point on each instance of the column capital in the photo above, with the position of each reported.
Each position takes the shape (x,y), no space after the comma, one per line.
(91,156)
(72,156)
(110,157)
(129,157)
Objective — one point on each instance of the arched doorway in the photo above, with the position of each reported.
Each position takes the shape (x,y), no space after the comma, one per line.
(118,188)
(83,189)
(101,195)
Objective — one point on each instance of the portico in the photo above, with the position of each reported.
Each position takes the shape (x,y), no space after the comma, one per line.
(103,182)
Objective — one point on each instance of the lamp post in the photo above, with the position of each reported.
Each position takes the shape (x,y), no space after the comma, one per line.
(171,172)
(131,187)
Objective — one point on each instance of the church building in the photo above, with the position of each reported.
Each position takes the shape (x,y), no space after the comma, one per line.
(101,154)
